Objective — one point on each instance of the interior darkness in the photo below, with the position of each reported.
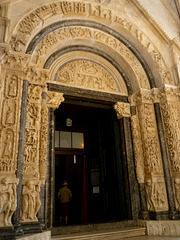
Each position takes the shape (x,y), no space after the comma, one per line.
(104,170)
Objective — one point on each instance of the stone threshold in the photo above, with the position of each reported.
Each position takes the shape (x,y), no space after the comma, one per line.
(69,229)
(111,234)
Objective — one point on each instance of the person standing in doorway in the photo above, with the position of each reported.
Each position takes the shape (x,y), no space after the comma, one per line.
(64,196)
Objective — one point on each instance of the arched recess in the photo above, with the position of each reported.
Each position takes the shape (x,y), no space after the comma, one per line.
(54,46)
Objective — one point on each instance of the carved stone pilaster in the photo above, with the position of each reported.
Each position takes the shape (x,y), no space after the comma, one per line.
(31,182)
(175,52)
(138,150)
(122,109)
(43,140)
(171,114)
(154,177)
(54,99)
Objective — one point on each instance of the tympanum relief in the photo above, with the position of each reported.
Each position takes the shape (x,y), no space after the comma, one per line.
(86,74)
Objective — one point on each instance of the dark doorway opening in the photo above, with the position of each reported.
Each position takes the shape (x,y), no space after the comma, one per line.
(106,197)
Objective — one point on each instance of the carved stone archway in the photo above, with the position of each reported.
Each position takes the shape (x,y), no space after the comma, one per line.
(63,35)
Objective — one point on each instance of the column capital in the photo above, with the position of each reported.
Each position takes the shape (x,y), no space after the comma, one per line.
(54,99)
(122,109)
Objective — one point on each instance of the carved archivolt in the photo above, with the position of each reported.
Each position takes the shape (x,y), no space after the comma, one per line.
(86,74)
(53,40)
(63,8)
(8,201)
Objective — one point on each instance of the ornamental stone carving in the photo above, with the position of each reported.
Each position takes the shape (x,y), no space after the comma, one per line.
(54,99)
(122,109)
(30,203)
(43,142)
(9,121)
(64,9)
(86,74)
(154,178)
(37,76)
(8,202)
(161,228)
(16,61)
(138,150)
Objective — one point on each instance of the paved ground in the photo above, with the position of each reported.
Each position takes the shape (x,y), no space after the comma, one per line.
(154,238)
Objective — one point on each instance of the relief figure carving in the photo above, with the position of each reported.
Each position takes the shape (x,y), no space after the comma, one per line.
(30,201)
(8,144)
(12,89)
(8,200)
(177,192)
(32,116)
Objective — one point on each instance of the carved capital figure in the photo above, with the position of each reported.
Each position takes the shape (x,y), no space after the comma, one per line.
(122,109)
(54,99)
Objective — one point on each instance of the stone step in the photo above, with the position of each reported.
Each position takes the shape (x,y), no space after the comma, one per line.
(111,234)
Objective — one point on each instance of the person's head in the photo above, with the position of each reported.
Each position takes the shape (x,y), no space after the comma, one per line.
(65,183)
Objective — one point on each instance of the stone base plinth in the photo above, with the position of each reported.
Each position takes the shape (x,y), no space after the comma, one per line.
(161,228)
(46,235)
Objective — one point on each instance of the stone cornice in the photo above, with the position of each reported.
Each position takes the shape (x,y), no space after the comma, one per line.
(155,95)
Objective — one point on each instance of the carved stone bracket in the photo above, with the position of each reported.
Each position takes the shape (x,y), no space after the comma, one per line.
(8,200)
(122,109)
(54,99)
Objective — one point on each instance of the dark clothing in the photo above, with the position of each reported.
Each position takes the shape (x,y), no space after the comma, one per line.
(64,209)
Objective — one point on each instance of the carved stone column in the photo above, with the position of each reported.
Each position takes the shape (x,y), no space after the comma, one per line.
(170,110)
(123,113)
(33,161)
(12,75)
(139,158)
(153,167)
(54,100)
(175,52)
